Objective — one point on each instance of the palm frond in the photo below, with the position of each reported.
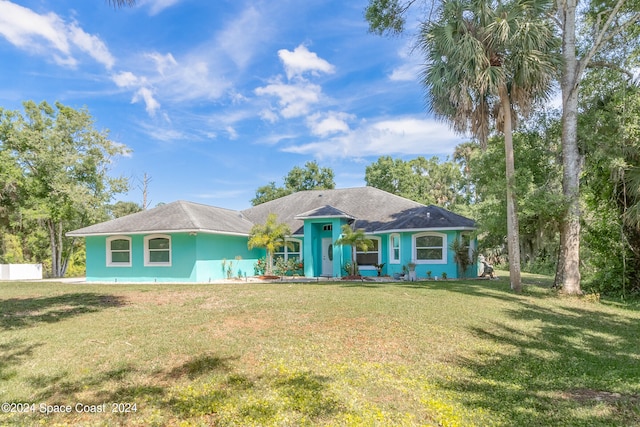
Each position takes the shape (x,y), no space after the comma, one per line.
(121,3)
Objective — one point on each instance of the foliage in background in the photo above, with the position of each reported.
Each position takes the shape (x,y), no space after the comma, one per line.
(540,200)
(427,181)
(312,177)
(610,125)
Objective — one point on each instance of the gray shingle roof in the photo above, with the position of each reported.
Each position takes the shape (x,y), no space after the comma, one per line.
(374,210)
(176,216)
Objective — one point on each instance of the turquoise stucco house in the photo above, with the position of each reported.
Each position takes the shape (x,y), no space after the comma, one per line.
(190,242)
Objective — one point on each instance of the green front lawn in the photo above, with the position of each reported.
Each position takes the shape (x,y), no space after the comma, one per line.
(451,353)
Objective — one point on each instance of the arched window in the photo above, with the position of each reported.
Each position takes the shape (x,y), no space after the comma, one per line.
(430,248)
(119,251)
(157,250)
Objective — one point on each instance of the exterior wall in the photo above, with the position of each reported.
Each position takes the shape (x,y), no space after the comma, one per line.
(219,255)
(312,246)
(206,257)
(182,269)
(407,255)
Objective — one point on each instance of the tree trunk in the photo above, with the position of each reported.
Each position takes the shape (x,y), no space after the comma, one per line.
(269,269)
(570,231)
(513,235)
(62,267)
(354,265)
(54,247)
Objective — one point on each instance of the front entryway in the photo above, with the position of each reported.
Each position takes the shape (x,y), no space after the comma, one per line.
(327,257)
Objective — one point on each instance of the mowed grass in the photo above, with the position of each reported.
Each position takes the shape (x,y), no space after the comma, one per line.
(449,353)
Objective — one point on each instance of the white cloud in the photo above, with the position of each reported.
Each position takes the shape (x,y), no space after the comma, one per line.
(240,38)
(402,136)
(26,29)
(157,6)
(300,61)
(186,78)
(126,79)
(233,134)
(160,133)
(162,61)
(406,72)
(324,124)
(295,100)
(145,94)
(411,65)
(268,116)
(48,34)
(91,45)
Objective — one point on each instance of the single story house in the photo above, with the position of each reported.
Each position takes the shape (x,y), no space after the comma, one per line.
(190,242)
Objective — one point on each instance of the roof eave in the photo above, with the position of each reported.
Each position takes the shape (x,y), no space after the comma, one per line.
(414,230)
(125,233)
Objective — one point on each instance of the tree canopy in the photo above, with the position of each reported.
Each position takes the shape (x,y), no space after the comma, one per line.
(64,180)
(311,177)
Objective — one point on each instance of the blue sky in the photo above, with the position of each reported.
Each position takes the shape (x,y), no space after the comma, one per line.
(217,98)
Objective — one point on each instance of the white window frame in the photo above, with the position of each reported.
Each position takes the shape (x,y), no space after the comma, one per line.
(285,251)
(370,267)
(392,259)
(444,247)
(110,262)
(147,251)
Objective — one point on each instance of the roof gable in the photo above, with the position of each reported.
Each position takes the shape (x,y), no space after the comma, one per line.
(325,211)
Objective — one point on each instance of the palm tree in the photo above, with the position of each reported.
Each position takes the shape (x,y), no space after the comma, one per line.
(120,3)
(357,240)
(487,62)
(270,236)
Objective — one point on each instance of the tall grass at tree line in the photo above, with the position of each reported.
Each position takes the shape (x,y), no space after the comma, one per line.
(450,353)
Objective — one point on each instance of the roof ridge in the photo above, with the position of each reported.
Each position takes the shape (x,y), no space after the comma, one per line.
(192,218)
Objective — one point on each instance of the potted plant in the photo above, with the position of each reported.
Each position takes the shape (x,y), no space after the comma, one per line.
(412,271)
(379,268)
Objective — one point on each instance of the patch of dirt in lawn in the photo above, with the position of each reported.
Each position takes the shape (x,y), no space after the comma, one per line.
(584,395)
(232,324)
(163,298)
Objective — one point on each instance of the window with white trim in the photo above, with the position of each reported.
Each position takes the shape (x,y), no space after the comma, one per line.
(157,250)
(394,249)
(293,250)
(430,248)
(119,251)
(371,257)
